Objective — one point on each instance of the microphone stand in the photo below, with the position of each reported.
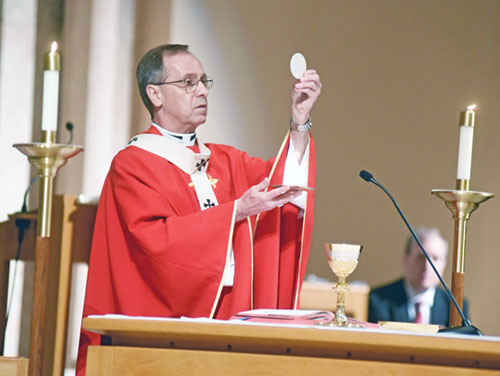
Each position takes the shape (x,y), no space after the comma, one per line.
(466,327)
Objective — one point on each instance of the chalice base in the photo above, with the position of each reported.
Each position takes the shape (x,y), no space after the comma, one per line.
(343,324)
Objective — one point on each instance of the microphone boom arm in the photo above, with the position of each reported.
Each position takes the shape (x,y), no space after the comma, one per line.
(465,320)
(467,327)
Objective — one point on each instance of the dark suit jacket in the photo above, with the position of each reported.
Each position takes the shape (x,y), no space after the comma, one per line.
(388,303)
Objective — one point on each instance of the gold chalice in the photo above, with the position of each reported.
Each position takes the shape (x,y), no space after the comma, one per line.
(342,259)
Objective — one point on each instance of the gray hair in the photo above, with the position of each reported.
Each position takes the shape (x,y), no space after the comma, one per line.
(423,233)
(151,70)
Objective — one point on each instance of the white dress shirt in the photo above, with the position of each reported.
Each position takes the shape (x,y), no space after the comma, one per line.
(426,299)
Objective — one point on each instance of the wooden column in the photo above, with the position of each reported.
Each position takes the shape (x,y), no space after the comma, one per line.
(38,317)
(458,271)
(457,289)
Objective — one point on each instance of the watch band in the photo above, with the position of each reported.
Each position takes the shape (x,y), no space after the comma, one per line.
(301,127)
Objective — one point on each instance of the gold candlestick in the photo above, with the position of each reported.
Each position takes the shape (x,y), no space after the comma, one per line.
(461,203)
(47,157)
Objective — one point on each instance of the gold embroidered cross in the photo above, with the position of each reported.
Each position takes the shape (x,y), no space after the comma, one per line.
(210,180)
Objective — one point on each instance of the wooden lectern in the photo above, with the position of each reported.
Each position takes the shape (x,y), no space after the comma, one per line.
(71,238)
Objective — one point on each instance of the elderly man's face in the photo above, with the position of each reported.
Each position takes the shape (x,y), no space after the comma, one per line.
(182,112)
(418,271)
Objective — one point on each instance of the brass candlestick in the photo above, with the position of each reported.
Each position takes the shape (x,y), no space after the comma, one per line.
(461,203)
(343,260)
(48,157)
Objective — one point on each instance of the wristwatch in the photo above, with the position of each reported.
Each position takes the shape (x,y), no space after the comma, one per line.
(301,127)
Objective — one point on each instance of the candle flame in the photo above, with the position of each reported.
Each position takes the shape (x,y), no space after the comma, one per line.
(471,107)
(53,47)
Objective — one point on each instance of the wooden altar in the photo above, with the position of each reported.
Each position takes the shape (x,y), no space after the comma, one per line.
(187,347)
(72,225)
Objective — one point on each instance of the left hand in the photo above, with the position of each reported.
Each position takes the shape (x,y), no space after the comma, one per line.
(305,93)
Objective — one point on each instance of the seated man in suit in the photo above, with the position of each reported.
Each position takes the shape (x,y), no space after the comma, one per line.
(416,297)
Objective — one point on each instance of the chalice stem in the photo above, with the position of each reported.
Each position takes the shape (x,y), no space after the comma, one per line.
(340,289)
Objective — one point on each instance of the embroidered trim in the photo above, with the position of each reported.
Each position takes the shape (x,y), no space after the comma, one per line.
(194,164)
(169,149)
(271,175)
(213,182)
(251,259)
(204,190)
(297,290)
(221,283)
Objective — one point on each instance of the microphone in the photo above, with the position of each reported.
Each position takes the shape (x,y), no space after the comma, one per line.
(69,127)
(467,327)
(367,176)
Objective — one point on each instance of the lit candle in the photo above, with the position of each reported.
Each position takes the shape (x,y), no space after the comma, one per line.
(51,68)
(466,124)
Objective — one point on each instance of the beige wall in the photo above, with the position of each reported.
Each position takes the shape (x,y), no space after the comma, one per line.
(396,75)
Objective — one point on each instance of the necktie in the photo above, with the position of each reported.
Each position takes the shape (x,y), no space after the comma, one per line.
(418,314)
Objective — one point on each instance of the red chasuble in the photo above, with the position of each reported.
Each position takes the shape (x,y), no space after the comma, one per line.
(155,253)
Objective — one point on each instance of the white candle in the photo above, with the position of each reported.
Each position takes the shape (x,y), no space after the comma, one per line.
(467,119)
(50,89)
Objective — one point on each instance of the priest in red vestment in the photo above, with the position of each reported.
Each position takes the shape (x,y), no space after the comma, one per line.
(185,228)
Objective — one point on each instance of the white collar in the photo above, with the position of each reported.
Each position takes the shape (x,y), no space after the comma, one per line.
(185,139)
(426,297)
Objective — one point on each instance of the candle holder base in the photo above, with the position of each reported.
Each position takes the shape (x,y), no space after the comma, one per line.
(462,203)
(48,157)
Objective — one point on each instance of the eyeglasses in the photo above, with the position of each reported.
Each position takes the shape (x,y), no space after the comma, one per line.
(190,84)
